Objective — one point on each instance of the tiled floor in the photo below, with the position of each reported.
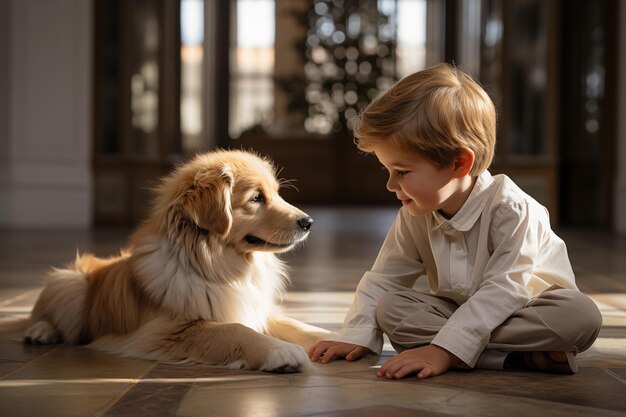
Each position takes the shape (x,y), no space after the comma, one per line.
(73,381)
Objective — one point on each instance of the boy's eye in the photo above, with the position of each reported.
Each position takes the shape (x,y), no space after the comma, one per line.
(399,173)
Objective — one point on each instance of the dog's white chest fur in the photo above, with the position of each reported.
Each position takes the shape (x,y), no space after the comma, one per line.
(247,299)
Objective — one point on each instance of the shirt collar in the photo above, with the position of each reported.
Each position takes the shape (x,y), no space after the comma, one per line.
(471,210)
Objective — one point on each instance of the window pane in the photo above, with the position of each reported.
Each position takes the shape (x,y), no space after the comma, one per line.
(528,68)
(191,67)
(252,66)
(144,82)
(253,99)
(108,78)
(411,39)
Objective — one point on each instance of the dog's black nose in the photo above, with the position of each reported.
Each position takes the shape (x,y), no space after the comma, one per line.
(305,223)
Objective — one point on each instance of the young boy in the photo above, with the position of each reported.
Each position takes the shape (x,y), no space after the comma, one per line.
(470,274)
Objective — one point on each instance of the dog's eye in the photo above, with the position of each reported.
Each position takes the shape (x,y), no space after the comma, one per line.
(258,198)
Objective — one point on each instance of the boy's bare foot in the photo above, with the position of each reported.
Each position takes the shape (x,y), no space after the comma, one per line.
(556,362)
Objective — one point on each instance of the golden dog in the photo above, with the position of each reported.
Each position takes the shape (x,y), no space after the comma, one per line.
(199,279)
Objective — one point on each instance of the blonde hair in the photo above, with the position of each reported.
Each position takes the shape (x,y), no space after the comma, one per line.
(435,112)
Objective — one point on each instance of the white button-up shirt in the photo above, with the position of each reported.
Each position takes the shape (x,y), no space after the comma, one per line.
(491,258)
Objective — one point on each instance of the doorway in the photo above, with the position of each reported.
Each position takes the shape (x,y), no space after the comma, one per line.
(291,90)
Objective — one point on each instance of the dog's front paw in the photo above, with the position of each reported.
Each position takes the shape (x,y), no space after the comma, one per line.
(285,357)
(41,333)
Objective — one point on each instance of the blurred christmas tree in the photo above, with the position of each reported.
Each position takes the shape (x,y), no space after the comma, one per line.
(349,59)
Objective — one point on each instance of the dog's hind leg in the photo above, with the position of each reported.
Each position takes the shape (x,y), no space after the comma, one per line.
(59,312)
(41,333)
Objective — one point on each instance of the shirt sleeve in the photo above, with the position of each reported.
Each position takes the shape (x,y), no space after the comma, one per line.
(397,266)
(514,233)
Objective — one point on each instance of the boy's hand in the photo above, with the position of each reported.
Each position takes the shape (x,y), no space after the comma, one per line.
(428,361)
(329,350)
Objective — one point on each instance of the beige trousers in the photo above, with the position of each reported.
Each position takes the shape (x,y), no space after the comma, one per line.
(557,320)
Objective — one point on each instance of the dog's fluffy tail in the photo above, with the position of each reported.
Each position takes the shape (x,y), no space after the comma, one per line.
(14,326)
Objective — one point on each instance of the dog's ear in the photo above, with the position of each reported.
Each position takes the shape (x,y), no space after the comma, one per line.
(207,201)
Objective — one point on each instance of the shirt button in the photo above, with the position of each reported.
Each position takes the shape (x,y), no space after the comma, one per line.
(458,289)
(457,246)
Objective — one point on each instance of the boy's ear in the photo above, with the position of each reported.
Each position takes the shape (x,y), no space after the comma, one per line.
(464,162)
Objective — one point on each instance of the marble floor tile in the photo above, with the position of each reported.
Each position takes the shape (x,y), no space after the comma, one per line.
(620,373)
(14,355)
(590,387)
(378,411)
(605,352)
(71,381)
(18,302)
(302,395)
(161,390)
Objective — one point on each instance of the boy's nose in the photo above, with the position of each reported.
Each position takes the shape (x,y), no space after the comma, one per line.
(391,185)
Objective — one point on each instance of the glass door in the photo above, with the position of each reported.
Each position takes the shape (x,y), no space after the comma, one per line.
(519,69)
(136,123)
(300,71)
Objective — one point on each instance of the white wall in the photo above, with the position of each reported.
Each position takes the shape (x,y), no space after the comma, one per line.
(45,173)
(620,183)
